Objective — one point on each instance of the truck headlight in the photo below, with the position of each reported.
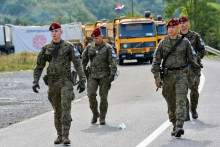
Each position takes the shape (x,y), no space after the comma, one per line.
(125,45)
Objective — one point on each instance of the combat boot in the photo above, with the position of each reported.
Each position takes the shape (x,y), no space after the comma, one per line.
(66,139)
(94,118)
(187,117)
(179,131)
(173,132)
(102,121)
(58,140)
(194,113)
(174,129)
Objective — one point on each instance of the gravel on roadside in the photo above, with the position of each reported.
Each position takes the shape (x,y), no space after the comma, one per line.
(18,101)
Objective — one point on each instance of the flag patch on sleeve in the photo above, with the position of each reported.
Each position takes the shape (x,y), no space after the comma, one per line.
(76,52)
(113,53)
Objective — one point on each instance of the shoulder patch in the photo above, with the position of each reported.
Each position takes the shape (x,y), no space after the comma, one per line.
(201,41)
(76,52)
(113,53)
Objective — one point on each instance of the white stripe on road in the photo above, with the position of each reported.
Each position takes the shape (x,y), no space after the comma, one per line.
(79,99)
(166,124)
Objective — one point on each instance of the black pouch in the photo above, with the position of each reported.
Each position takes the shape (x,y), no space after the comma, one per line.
(45,78)
(165,72)
(74,77)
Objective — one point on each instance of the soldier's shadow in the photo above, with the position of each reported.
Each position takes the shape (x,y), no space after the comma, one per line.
(62,145)
(199,125)
(182,142)
(100,129)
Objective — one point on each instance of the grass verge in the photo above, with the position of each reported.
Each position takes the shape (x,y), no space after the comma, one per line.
(212,56)
(18,61)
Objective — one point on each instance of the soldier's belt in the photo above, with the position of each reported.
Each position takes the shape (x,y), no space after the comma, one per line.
(177,68)
(58,76)
(93,69)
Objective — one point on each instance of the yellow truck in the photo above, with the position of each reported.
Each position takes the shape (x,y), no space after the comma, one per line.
(87,30)
(161,28)
(135,38)
(104,26)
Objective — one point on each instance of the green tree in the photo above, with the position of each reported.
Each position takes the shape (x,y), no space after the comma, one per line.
(203,17)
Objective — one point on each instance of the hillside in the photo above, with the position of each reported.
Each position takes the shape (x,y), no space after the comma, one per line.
(41,12)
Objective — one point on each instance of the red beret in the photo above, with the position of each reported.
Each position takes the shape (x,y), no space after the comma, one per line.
(183,19)
(96,32)
(172,22)
(54,26)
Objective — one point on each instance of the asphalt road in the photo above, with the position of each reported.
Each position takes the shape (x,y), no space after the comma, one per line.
(134,102)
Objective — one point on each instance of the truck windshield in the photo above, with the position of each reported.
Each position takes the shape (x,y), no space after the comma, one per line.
(136,30)
(103,30)
(161,30)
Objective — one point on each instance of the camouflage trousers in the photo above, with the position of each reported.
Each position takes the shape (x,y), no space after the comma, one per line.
(92,87)
(60,95)
(175,92)
(194,94)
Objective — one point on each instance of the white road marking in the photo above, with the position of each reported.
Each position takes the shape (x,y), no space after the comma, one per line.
(166,124)
(79,99)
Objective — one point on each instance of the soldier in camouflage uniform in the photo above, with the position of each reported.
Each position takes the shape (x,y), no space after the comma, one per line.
(174,81)
(59,54)
(198,45)
(102,70)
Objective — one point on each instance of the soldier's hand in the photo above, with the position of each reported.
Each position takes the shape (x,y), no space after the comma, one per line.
(196,81)
(158,82)
(35,86)
(111,78)
(81,86)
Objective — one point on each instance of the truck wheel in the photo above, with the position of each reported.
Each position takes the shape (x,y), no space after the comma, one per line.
(151,61)
(139,60)
(2,53)
(120,61)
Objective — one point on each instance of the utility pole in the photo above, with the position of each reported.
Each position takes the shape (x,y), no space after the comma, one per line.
(132,7)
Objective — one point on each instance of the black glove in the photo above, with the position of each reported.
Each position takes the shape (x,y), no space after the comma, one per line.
(81,86)
(35,86)
(111,78)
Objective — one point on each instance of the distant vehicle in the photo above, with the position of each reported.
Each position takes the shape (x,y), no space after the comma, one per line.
(161,27)
(104,26)
(135,38)
(87,31)
(6,40)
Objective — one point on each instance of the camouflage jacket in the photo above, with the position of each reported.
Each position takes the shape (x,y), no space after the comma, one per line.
(102,59)
(196,42)
(59,58)
(182,56)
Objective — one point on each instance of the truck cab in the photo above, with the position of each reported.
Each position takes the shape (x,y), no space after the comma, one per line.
(87,31)
(6,40)
(135,38)
(161,28)
(104,27)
